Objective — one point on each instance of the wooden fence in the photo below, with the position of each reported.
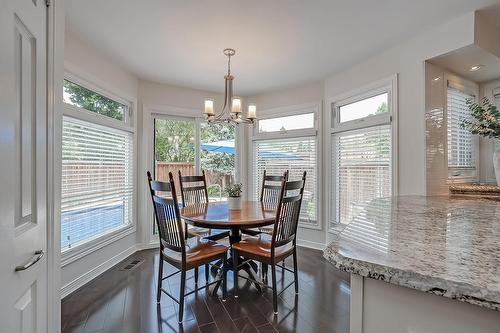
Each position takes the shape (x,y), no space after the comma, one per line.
(188,169)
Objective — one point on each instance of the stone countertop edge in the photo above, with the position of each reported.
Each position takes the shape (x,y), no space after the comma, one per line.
(451,289)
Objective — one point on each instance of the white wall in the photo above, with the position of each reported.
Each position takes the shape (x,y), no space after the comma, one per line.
(309,93)
(86,58)
(84,61)
(407,60)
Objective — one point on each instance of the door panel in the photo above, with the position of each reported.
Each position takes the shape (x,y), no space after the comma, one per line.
(25,65)
(23,166)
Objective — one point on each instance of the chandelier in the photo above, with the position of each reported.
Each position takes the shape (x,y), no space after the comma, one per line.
(232,110)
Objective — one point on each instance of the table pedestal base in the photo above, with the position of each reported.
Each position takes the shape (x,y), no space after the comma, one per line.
(250,267)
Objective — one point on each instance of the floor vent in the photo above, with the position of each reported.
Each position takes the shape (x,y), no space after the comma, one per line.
(132,265)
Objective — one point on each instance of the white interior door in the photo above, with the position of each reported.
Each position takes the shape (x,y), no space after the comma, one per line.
(23,171)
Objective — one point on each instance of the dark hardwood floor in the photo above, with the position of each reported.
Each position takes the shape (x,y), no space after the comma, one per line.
(124,301)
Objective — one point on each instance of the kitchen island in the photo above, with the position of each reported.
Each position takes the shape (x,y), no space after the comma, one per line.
(422,264)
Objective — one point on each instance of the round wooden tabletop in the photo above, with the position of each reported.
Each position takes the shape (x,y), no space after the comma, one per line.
(216,215)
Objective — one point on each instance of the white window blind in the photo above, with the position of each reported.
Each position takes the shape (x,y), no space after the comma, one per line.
(296,155)
(362,170)
(97,181)
(461,151)
(496,97)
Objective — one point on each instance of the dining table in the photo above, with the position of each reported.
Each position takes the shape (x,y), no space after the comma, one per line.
(218,215)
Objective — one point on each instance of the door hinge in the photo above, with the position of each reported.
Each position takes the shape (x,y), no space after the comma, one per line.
(47,3)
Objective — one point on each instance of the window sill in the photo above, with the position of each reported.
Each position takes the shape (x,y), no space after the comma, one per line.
(315,226)
(336,228)
(84,249)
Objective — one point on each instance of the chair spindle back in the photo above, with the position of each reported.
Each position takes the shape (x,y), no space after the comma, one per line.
(288,212)
(167,214)
(270,191)
(193,189)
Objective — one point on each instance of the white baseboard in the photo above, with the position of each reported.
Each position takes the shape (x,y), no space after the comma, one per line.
(96,271)
(311,245)
(147,246)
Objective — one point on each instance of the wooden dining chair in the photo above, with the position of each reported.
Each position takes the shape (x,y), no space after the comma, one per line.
(154,186)
(269,196)
(271,249)
(184,254)
(194,191)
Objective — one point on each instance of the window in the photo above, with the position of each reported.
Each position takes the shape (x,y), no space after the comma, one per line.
(97,181)
(89,100)
(288,123)
(496,97)
(363,108)
(97,185)
(461,143)
(296,156)
(362,152)
(294,147)
(363,161)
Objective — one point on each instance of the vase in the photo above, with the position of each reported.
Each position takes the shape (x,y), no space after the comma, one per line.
(496,165)
(234,202)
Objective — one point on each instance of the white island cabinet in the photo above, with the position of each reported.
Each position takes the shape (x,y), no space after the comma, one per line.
(422,264)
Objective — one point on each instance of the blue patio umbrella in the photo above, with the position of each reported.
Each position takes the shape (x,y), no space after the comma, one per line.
(227,146)
(224,146)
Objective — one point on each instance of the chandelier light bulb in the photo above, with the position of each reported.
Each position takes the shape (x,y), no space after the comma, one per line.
(252,111)
(236,105)
(209,107)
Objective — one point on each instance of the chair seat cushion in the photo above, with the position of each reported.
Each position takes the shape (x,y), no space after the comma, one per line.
(196,231)
(198,251)
(256,231)
(260,246)
(212,234)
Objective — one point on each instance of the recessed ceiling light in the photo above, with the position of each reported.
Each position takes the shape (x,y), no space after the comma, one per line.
(475,68)
(436,79)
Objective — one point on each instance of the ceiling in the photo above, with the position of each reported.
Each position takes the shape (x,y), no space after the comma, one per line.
(461,60)
(279,43)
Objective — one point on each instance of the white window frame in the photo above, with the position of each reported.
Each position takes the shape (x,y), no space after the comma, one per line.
(128,120)
(128,125)
(462,174)
(292,134)
(388,85)
(150,113)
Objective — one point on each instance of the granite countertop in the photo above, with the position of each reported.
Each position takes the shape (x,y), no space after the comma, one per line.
(448,246)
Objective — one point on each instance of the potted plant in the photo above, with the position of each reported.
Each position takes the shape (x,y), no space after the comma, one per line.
(485,121)
(234,195)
